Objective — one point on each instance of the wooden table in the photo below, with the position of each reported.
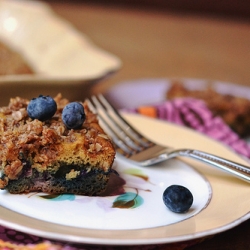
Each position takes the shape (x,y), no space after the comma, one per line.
(155,44)
(163,44)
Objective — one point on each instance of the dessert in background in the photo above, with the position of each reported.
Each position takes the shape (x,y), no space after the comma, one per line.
(235,111)
(12,62)
(53,146)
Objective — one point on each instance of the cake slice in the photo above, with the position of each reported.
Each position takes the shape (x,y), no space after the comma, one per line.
(47,156)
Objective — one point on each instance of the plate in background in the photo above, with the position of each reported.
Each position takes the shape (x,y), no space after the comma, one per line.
(133,93)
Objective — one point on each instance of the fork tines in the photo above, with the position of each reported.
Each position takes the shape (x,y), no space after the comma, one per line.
(128,141)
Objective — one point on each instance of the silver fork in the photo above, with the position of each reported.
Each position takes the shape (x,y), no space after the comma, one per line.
(137,148)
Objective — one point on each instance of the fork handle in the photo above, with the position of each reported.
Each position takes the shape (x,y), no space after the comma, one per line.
(240,171)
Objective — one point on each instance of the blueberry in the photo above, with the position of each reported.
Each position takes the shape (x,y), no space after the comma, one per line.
(73,115)
(42,108)
(178,198)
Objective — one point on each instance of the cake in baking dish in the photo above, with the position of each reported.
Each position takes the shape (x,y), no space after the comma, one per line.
(48,154)
(12,62)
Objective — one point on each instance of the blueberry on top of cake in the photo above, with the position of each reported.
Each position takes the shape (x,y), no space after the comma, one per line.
(53,146)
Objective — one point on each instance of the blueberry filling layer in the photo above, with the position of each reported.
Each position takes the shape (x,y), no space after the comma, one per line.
(85,182)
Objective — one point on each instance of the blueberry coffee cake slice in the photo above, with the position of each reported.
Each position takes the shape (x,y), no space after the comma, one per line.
(54,146)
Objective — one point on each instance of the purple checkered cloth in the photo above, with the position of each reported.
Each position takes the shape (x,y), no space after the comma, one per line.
(194,114)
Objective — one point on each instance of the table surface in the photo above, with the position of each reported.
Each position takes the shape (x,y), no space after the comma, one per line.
(158,44)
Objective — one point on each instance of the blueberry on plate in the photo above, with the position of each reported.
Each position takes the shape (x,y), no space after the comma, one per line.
(178,198)
(42,108)
(73,115)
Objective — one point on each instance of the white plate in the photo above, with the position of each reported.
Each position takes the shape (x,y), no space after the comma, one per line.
(140,206)
(131,94)
(207,216)
(52,46)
